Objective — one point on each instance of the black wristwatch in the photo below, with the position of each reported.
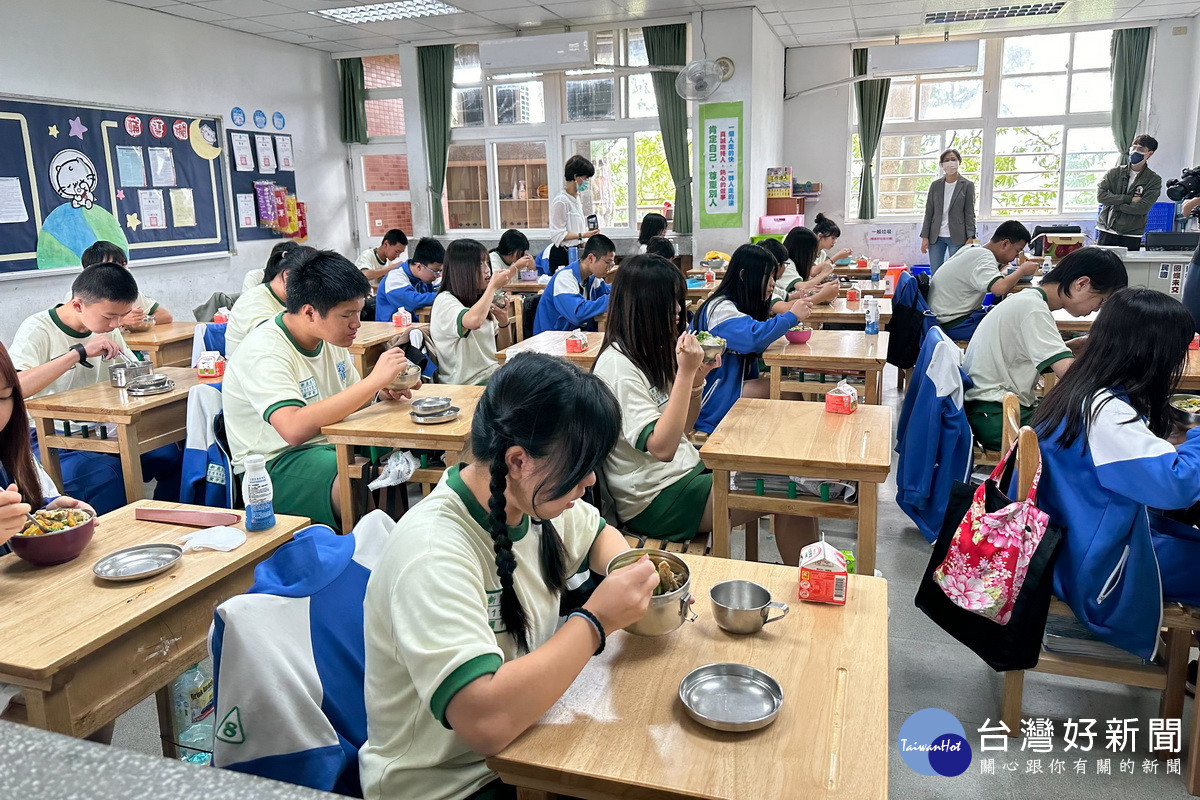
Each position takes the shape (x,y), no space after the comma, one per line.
(82,352)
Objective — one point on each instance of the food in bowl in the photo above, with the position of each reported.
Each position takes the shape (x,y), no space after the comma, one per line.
(500,298)
(1185,410)
(407,379)
(713,346)
(55,521)
(1189,403)
(139,327)
(798,334)
(668,579)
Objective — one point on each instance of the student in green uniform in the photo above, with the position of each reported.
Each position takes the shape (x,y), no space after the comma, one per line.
(293,375)
(464,650)
(264,301)
(1019,340)
(464,320)
(655,368)
(71,346)
(102,252)
(256,276)
(818,290)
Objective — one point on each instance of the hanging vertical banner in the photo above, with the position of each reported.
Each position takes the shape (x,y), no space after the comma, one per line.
(722,202)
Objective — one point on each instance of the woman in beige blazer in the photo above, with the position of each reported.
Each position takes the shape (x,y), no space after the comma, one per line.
(949,212)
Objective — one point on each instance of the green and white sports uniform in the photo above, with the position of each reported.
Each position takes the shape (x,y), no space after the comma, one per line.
(465,357)
(251,310)
(272,371)
(432,626)
(665,499)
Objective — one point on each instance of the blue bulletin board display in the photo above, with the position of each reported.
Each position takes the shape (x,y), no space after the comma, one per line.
(70,173)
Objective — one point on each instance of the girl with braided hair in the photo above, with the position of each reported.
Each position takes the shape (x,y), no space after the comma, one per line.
(463,642)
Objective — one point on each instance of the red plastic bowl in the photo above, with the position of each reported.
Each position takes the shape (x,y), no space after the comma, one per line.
(798,337)
(60,547)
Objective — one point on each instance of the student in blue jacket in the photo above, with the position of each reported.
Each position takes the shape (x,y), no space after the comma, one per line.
(411,285)
(577,293)
(739,311)
(1107,461)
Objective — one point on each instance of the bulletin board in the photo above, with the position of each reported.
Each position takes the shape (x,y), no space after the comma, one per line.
(71,173)
(256,155)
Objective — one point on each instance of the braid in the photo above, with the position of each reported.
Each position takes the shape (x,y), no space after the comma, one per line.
(511,612)
(552,555)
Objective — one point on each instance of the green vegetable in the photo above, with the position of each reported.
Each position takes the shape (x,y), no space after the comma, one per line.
(706,338)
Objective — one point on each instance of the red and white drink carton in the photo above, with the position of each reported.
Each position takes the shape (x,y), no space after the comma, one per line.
(822,574)
(842,399)
(577,342)
(1195,345)
(402,318)
(211,364)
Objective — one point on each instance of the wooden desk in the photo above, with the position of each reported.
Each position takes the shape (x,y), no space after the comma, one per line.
(143,423)
(829,351)
(621,732)
(84,651)
(787,437)
(1068,324)
(388,424)
(372,339)
(843,312)
(866,289)
(554,343)
(1190,382)
(525,287)
(166,345)
(700,292)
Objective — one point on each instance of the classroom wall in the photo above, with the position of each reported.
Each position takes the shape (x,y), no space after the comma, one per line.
(817,129)
(118,55)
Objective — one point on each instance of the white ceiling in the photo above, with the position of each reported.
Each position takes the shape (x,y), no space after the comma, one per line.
(797,22)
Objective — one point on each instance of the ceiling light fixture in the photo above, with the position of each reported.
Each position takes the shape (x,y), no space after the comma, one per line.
(380,12)
(994,12)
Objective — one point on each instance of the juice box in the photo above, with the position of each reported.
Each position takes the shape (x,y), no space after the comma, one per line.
(576,342)
(822,574)
(211,364)
(842,399)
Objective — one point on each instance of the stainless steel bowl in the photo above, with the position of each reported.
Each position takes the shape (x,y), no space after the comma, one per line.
(424,406)
(711,351)
(743,606)
(1184,419)
(146,324)
(731,697)
(407,379)
(667,611)
(145,385)
(119,375)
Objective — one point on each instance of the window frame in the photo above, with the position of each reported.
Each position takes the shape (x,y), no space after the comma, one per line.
(377,146)
(989,122)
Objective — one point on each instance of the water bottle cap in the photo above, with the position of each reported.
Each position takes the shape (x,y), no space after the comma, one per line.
(255,462)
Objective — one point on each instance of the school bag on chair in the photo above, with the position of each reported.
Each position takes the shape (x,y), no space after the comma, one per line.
(529,305)
(911,320)
(989,580)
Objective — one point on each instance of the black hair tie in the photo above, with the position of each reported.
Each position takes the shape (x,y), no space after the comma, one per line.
(590,617)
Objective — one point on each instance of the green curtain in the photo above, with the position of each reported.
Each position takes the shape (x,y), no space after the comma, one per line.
(354,111)
(435,76)
(871,97)
(667,44)
(1130,50)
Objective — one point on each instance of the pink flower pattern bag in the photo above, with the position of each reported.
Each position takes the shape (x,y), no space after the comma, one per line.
(989,553)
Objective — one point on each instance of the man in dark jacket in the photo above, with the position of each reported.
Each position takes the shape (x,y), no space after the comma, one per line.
(1127,193)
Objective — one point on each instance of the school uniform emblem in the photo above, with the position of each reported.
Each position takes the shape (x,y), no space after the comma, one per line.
(497,624)
(341,368)
(308,388)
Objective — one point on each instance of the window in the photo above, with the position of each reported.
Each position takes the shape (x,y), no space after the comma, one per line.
(382,196)
(623,191)
(593,94)
(1031,122)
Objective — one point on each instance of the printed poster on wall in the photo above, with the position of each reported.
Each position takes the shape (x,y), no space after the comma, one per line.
(877,237)
(247,216)
(283,146)
(721,190)
(265,149)
(243,159)
(150,203)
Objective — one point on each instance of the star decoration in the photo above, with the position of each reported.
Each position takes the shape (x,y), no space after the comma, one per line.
(54,131)
(120,194)
(132,222)
(78,129)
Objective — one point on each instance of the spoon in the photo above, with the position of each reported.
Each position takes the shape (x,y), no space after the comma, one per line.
(34,520)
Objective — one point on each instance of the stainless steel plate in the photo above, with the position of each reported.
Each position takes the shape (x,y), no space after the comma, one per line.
(146,385)
(449,414)
(135,563)
(424,406)
(731,697)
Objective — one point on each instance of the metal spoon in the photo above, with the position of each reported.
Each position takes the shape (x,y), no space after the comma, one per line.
(34,520)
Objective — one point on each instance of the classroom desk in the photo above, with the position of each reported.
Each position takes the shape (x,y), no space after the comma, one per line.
(1190,382)
(843,312)
(700,292)
(866,289)
(525,287)
(165,345)
(829,741)
(554,343)
(829,351)
(388,424)
(373,338)
(789,437)
(1068,324)
(143,423)
(84,651)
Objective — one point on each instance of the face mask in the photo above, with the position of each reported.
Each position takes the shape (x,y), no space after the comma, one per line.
(950,166)
(1136,157)
(583,187)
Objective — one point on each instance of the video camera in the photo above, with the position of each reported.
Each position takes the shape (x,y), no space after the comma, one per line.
(1186,186)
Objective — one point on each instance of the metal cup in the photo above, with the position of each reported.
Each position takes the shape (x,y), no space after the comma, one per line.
(743,606)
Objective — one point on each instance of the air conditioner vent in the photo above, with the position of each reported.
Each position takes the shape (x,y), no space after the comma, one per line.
(994,12)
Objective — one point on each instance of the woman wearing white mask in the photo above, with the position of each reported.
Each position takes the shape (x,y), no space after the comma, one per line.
(568,225)
(949,212)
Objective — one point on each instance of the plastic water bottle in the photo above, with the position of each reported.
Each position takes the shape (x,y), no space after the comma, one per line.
(874,270)
(1046,265)
(258,494)
(872,306)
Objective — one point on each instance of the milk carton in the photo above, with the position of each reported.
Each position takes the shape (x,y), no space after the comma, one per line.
(577,342)
(822,574)
(842,399)
(211,364)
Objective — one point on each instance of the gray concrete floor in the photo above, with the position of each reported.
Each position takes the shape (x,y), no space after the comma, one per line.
(929,669)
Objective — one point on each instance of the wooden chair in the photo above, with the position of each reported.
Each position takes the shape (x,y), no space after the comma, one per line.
(700,546)
(1012,424)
